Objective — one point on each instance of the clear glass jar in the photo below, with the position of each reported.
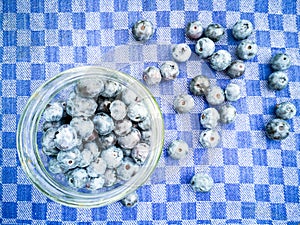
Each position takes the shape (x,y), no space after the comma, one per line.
(33,159)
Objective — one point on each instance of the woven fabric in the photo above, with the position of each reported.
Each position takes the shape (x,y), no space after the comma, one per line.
(256,179)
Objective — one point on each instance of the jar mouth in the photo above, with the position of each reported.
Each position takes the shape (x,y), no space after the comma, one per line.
(28,137)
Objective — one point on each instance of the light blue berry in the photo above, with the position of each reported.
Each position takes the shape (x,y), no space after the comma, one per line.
(110,177)
(209,118)
(227,113)
(96,183)
(54,166)
(53,112)
(66,138)
(278,80)
(220,60)
(199,85)
(215,95)
(122,127)
(89,88)
(137,112)
(181,52)
(140,153)
(202,182)
(127,169)
(152,75)
(178,149)
(169,70)
(83,126)
(194,30)
(183,103)
(281,61)
(232,92)
(93,148)
(130,200)
(145,124)
(277,129)
(242,29)
(104,124)
(77,178)
(146,136)
(128,96)
(79,106)
(247,49)
(214,32)
(130,140)
(117,110)
(106,141)
(86,157)
(285,110)
(69,159)
(236,69)
(209,138)
(48,143)
(205,47)
(113,156)
(142,30)
(54,124)
(111,89)
(97,167)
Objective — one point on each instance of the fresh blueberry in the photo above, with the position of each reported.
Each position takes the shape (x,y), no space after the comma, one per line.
(140,153)
(130,140)
(54,166)
(194,30)
(209,118)
(117,110)
(232,92)
(285,110)
(205,47)
(113,156)
(152,75)
(89,88)
(227,113)
(199,85)
(110,177)
(242,29)
(277,129)
(146,136)
(278,80)
(169,70)
(145,124)
(281,61)
(130,200)
(104,124)
(183,103)
(127,169)
(202,182)
(137,112)
(106,141)
(79,106)
(77,178)
(247,49)
(209,138)
(142,30)
(236,69)
(54,124)
(178,149)
(66,138)
(181,52)
(220,60)
(123,127)
(214,32)
(111,89)
(128,96)
(215,95)
(48,143)
(83,126)
(53,112)
(69,159)
(97,167)
(93,148)
(86,157)
(96,183)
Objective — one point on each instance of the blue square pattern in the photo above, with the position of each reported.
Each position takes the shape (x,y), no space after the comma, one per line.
(177,5)
(106,20)
(37,71)
(173,192)
(37,6)
(23,54)
(129,213)
(52,54)
(230,156)
(205,5)
(93,37)
(289,7)
(261,37)
(10,108)
(256,122)
(69,214)
(9,71)
(291,194)
(289,158)
(23,21)
(275,175)
(248,210)
(9,175)
(259,157)
(92,6)
(39,211)
(149,5)
(188,211)
(9,38)
(291,40)
(24,192)
(65,38)
(275,22)
(253,88)
(159,211)
(233,5)
(262,192)
(261,6)
(51,20)
(65,5)
(78,20)
(9,210)
(99,214)
(243,139)
(10,6)
(278,211)
(144,193)
(80,55)
(23,87)
(232,192)
(218,210)
(170,121)
(37,38)
(120,5)
(163,19)
(246,175)
(218,174)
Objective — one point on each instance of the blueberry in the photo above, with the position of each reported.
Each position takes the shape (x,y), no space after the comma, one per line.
(54,124)
(205,47)
(145,124)
(93,148)
(183,103)
(79,106)
(130,200)
(194,30)
(242,29)
(247,49)
(111,89)
(278,80)
(97,167)
(128,96)
(137,112)
(127,169)
(232,92)
(152,75)
(130,140)
(202,182)
(104,124)
(214,32)
(66,138)
(89,88)
(181,52)
(277,129)
(215,95)
(48,143)
(285,110)
(140,153)
(117,110)
(220,60)
(69,159)
(199,85)
(106,141)
(142,30)
(227,113)
(110,177)
(86,157)
(83,126)
(169,70)
(209,138)
(54,166)
(178,149)
(123,127)
(96,183)
(77,178)
(146,136)
(53,112)
(236,69)
(281,61)
(209,118)
(113,156)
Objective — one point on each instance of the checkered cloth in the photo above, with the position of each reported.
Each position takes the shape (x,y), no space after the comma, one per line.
(256,180)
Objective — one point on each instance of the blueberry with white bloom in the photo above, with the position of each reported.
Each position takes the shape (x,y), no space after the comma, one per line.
(54,124)
(140,153)
(142,30)
(48,143)
(110,177)
(122,127)
(69,159)
(127,169)
(242,29)
(181,52)
(117,110)
(145,124)
(169,70)
(205,47)
(183,103)
(209,138)
(220,60)
(146,136)
(53,112)
(202,182)
(236,69)
(194,30)
(104,124)
(247,49)
(113,156)
(152,75)
(232,92)
(137,112)
(278,80)
(83,126)
(111,89)
(89,88)
(54,166)
(77,178)
(97,167)
(86,157)
(66,138)
(285,110)
(199,85)
(209,118)
(79,106)
(281,61)
(106,141)
(128,96)
(130,200)
(178,149)
(277,129)
(215,95)
(96,183)
(93,148)
(227,113)
(214,32)
(130,140)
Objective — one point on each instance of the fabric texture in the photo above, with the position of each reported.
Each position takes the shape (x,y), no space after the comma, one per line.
(256,179)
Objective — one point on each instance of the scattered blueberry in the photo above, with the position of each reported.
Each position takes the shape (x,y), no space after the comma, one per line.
(281,61)
(181,52)
(227,113)
(108,140)
(215,95)
(152,75)
(142,30)
(205,47)
(247,49)
(199,85)
(169,70)
(128,97)
(285,110)
(87,157)
(236,69)
(277,129)
(145,124)
(214,32)
(232,92)
(209,138)
(178,149)
(183,103)
(54,166)
(220,60)
(278,80)
(194,30)
(130,200)
(110,177)
(209,118)
(242,29)
(202,182)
